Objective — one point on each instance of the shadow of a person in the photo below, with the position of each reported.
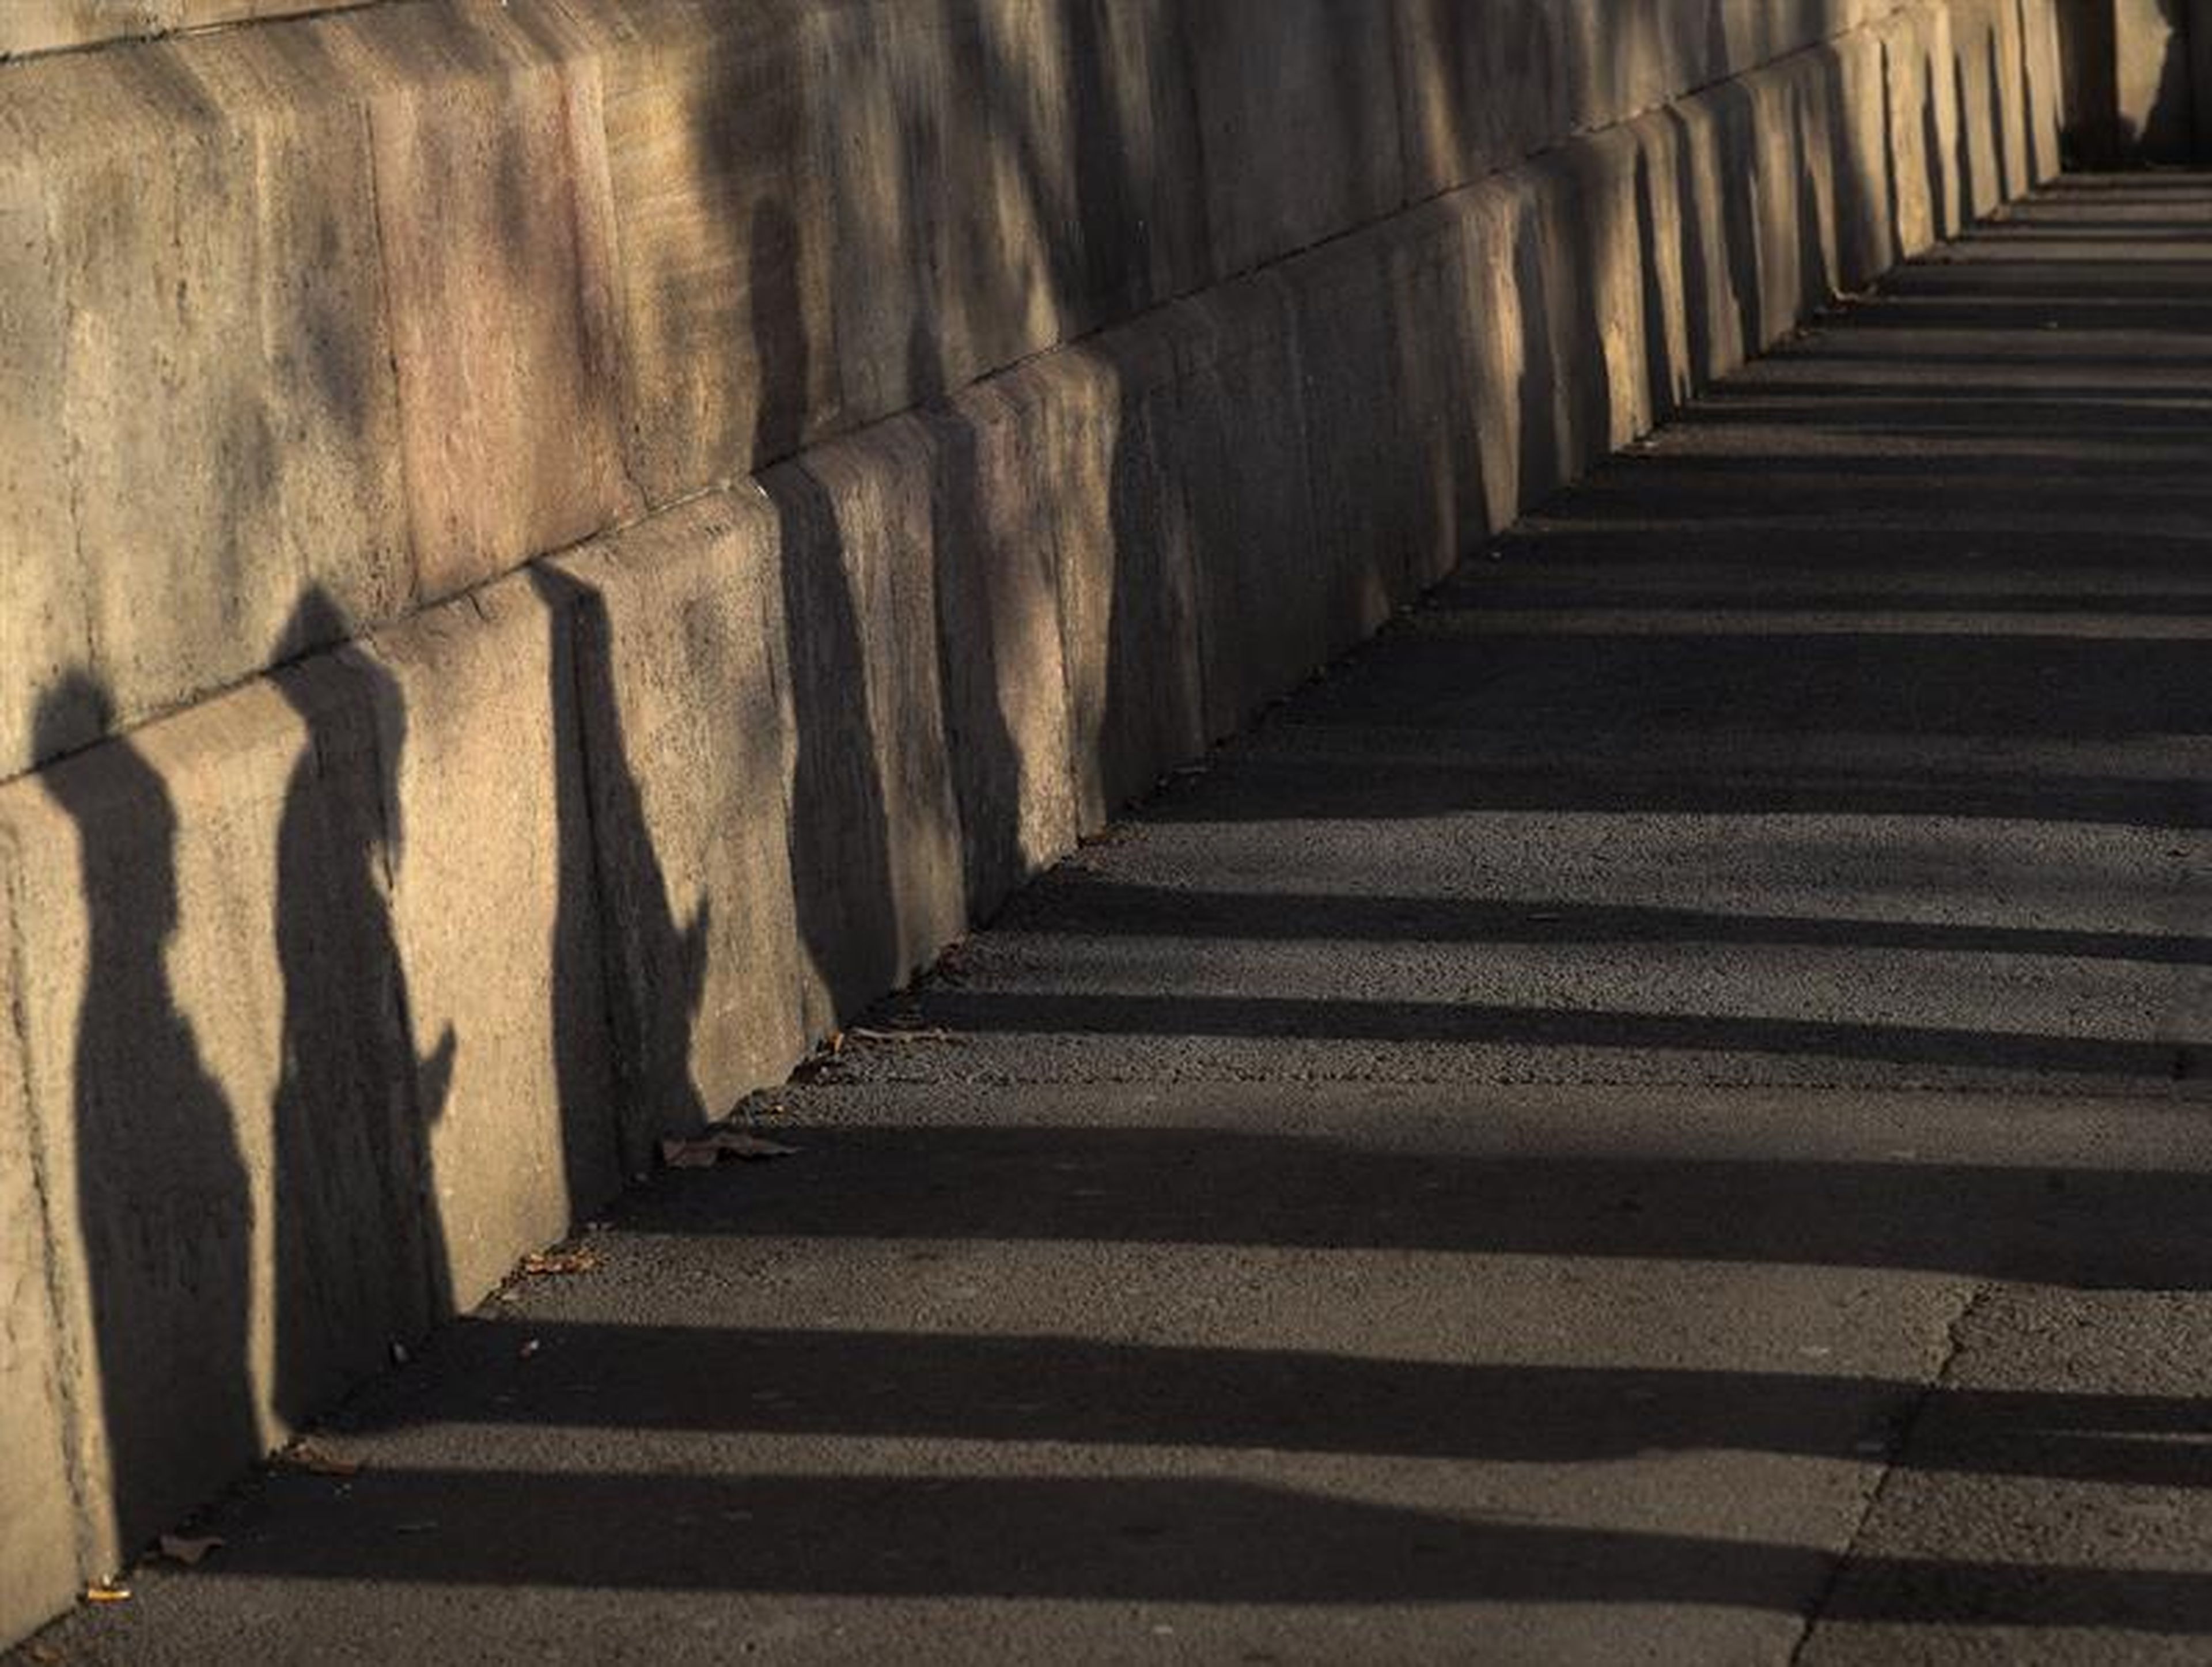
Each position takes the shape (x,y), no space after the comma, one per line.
(2178,127)
(839,833)
(164,1209)
(657,968)
(359,1251)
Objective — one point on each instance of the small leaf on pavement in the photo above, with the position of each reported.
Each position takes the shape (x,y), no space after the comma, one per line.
(317,1461)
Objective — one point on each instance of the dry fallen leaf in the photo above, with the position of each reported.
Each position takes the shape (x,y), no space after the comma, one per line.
(102,1593)
(186,1550)
(560,1262)
(931,1033)
(316,1461)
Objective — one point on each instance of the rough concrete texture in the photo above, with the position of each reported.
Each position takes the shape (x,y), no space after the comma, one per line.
(502,304)
(674,241)
(1231,449)
(40,1521)
(47,26)
(513,895)
(877,865)
(682,698)
(728,334)
(496,920)
(228,1167)
(1920,162)
(1002,666)
(1125,563)
(1337,162)
(203,387)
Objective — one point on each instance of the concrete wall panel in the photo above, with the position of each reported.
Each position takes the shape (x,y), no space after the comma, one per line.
(1437,334)
(720,202)
(501,300)
(1361,466)
(1298,122)
(45,25)
(221,1101)
(877,864)
(197,320)
(683,695)
(1230,447)
(41,1518)
(1126,559)
(1002,671)
(495,917)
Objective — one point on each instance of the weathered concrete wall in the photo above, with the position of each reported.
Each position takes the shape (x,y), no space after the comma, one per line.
(329,994)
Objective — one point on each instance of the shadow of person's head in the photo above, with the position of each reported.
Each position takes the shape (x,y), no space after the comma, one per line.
(318,623)
(126,820)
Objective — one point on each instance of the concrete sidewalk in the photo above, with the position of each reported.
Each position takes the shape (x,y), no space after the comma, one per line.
(1659,1112)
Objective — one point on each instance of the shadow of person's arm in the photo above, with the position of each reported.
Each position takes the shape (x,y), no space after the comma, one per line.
(691,957)
(435,1077)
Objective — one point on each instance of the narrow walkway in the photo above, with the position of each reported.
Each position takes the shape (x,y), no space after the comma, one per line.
(1661,1112)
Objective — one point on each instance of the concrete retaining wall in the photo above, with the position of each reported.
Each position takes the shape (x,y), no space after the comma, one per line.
(331,994)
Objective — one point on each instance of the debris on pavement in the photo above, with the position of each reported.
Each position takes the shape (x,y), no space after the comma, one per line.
(311,1458)
(189,1550)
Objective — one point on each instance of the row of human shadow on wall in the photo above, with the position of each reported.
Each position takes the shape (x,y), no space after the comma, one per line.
(354,1243)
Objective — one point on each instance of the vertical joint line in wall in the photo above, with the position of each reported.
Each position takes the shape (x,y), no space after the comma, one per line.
(581,86)
(414,589)
(594,879)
